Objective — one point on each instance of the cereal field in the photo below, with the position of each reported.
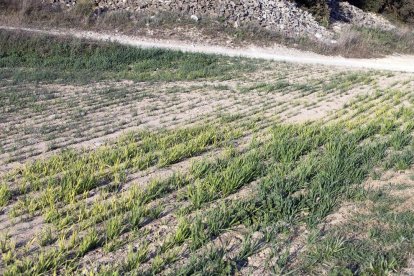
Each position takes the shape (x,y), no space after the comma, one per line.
(117,160)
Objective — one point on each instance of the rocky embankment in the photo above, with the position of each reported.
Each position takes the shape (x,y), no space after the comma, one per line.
(345,13)
(282,16)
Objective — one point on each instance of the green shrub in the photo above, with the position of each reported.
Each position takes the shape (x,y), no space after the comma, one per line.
(400,9)
(369,5)
(319,8)
(404,10)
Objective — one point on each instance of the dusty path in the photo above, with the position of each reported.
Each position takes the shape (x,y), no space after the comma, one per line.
(390,63)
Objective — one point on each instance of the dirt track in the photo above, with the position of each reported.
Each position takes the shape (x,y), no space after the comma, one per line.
(390,63)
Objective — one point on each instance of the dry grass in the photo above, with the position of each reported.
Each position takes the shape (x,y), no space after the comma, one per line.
(362,43)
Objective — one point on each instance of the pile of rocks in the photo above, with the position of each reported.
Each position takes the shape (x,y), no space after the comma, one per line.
(346,13)
(63,2)
(283,16)
(279,15)
(276,15)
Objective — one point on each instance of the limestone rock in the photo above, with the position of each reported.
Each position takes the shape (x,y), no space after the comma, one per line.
(282,16)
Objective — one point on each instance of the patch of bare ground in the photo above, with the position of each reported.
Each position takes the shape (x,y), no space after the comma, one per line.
(399,184)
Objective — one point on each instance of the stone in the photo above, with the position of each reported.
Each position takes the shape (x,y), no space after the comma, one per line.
(194,17)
